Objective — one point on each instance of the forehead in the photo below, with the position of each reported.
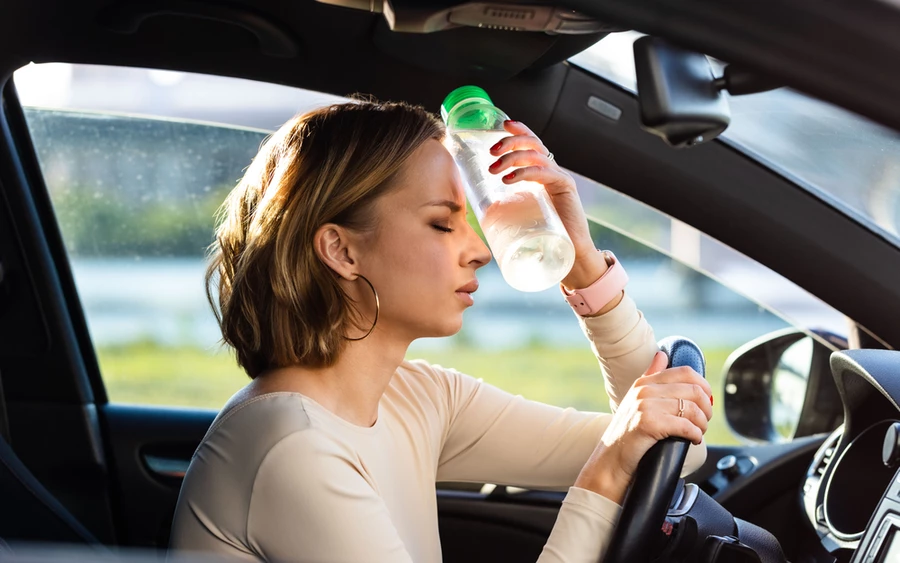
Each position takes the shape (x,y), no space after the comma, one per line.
(429,174)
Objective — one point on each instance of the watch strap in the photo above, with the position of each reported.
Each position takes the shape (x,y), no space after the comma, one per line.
(590,300)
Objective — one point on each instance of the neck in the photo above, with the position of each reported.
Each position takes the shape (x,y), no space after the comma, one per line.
(353,386)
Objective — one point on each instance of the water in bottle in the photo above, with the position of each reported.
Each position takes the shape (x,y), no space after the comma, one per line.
(526,236)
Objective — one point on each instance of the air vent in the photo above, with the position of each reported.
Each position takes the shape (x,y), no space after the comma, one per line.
(494,12)
(519,17)
(501,27)
(821,462)
(826,459)
(814,481)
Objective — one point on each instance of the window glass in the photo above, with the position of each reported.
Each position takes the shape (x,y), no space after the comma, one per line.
(842,157)
(135,191)
(136,162)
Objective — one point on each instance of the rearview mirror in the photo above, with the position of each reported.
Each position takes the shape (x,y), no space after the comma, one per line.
(678,96)
(779,386)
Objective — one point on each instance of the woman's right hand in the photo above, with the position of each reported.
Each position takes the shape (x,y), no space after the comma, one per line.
(647,414)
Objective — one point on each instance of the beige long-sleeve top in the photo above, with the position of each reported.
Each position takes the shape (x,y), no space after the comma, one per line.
(280,478)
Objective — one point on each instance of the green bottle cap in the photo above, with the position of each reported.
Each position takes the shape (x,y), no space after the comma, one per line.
(460,94)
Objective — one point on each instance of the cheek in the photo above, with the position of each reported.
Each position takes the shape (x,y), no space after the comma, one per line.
(413,260)
(420,259)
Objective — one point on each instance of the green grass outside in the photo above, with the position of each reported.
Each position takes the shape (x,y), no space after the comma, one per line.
(569,377)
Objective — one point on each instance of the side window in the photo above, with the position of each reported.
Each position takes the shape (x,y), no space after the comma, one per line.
(135,181)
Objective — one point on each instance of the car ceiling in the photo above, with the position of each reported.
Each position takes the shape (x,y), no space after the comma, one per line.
(339,50)
(845,52)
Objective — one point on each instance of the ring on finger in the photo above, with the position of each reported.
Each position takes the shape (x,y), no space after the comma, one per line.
(549,155)
(680,407)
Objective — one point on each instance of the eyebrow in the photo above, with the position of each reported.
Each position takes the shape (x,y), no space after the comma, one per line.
(452,205)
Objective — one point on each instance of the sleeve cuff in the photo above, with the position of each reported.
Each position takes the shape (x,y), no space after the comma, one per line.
(696,457)
(598,504)
(611,330)
(583,528)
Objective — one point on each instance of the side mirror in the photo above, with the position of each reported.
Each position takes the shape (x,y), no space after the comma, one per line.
(679,97)
(780,386)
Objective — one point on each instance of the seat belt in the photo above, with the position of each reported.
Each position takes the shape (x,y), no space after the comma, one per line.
(4,421)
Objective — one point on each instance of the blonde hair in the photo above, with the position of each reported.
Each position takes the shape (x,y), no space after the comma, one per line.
(278,303)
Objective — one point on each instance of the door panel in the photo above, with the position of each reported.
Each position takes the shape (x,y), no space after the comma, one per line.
(147,498)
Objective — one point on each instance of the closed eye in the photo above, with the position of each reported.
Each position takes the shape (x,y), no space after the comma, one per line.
(443,229)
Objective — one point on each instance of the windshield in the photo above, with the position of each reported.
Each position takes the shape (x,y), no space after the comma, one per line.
(845,159)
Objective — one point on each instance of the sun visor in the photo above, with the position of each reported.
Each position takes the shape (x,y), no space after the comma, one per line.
(476,53)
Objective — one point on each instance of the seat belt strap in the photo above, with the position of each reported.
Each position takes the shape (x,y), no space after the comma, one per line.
(4,421)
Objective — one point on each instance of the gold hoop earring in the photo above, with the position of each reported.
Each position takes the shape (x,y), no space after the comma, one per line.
(377,309)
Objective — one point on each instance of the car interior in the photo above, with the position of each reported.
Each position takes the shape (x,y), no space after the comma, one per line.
(76,468)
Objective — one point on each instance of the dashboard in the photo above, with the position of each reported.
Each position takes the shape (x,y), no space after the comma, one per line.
(850,497)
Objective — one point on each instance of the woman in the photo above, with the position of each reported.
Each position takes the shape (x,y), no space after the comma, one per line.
(345,241)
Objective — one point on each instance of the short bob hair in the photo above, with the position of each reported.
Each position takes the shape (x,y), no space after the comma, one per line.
(277,303)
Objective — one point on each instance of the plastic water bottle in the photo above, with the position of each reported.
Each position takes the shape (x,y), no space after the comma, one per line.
(526,235)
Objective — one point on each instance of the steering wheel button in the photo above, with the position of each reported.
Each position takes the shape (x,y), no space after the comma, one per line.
(667,528)
(890,449)
(820,514)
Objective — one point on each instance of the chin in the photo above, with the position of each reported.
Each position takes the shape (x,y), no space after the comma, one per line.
(447,328)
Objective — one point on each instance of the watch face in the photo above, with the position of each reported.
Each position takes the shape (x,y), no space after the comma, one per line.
(609,257)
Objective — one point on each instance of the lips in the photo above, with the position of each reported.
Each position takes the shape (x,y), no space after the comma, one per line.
(466,291)
(470,287)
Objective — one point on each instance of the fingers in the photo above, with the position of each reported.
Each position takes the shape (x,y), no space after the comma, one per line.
(697,397)
(659,363)
(690,393)
(660,420)
(528,141)
(681,374)
(694,394)
(683,427)
(693,412)
(549,177)
(519,158)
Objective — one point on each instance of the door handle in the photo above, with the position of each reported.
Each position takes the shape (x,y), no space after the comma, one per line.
(170,467)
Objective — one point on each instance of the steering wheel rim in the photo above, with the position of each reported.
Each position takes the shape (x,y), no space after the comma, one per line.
(638,536)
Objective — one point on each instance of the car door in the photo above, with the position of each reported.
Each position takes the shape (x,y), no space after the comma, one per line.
(121,194)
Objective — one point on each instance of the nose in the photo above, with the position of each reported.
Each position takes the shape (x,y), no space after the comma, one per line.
(477,252)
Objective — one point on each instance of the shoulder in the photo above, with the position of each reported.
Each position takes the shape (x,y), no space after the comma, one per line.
(433,373)
(245,441)
(243,437)
(272,438)
(446,386)
(265,418)
(307,457)
(434,378)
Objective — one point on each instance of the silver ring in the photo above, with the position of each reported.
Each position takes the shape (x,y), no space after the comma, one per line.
(680,407)
(549,155)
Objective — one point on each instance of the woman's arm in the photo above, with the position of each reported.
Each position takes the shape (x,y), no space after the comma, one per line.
(624,344)
(622,339)
(495,437)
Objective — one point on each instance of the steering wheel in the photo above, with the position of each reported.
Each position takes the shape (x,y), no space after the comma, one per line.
(638,536)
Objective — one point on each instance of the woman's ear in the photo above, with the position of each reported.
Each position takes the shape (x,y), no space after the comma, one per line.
(332,245)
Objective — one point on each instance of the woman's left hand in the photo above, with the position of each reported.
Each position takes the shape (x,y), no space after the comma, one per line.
(528,155)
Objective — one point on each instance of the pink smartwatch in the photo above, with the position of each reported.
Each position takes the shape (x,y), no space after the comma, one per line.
(590,300)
